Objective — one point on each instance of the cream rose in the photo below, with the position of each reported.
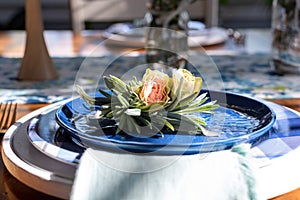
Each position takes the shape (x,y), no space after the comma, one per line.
(190,83)
(155,87)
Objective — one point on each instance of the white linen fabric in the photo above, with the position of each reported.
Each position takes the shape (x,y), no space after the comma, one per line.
(225,175)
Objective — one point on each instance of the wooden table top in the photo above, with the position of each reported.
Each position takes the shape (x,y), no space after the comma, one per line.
(64,44)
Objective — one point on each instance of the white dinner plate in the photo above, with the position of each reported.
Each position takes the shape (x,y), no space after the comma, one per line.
(135,37)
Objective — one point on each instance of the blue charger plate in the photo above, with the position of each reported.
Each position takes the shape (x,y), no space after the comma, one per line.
(239,119)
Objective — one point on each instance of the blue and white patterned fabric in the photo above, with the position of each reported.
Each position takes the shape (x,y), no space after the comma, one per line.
(282,138)
(243,74)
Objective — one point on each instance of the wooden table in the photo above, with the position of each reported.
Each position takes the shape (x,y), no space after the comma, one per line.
(64,43)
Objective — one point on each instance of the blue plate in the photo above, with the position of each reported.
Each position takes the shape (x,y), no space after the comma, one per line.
(239,119)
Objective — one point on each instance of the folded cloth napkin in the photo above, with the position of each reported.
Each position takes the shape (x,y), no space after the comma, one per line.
(222,175)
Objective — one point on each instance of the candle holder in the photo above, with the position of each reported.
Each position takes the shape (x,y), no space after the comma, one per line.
(36,64)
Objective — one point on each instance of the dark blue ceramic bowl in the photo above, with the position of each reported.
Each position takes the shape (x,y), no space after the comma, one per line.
(239,119)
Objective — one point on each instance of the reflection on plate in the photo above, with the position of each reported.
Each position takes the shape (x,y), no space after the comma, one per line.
(135,37)
(126,28)
(239,119)
(45,134)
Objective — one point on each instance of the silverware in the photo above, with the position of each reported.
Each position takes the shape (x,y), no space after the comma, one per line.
(8,113)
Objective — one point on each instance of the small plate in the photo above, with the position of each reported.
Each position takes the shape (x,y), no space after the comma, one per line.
(239,119)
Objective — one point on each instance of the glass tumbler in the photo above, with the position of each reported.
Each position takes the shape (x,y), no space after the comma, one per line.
(286,36)
(167,33)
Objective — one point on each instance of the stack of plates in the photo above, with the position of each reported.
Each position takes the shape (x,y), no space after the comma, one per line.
(54,144)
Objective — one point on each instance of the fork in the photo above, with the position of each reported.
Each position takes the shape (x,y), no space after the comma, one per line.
(8,113)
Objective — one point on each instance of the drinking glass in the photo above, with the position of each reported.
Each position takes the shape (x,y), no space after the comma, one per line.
(286,36)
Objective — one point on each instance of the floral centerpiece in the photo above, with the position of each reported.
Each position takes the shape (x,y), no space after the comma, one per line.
(158,103)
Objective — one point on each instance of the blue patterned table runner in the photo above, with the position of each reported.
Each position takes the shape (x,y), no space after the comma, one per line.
(244,74)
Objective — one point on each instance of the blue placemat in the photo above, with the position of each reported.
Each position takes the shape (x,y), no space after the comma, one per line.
(243,74)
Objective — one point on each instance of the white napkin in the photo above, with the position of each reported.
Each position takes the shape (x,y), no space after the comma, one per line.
(219,175)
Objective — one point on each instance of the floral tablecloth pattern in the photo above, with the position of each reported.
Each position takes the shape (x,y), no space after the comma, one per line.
(248,74)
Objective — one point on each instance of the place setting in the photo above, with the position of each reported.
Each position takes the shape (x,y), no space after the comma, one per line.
(182,124)
(162,118)
(156,112)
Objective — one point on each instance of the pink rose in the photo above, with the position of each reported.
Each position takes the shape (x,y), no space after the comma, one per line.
(154,87)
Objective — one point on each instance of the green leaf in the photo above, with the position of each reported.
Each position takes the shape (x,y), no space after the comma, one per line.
(134,127)
(123,101)
(153,107)
(169,125)
(187,125)
(161,121)
(88,99)
(198,120)
(119,84)
(173,121)
(118,112)
(129,89)
(145,122)
(145,108)
(177,117)
(121,124)
(108,82)
(190,124)
(116,92)
(206,108)
(105,112)
(174,115)
(116,84)
(134,82)
(199,100)
(185,102)
(175,101)
(110,114)
(106,94)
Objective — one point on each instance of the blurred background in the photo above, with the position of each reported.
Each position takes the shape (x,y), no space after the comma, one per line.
(57,14)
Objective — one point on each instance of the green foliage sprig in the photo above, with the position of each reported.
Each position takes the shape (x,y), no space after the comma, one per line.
(156,102)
